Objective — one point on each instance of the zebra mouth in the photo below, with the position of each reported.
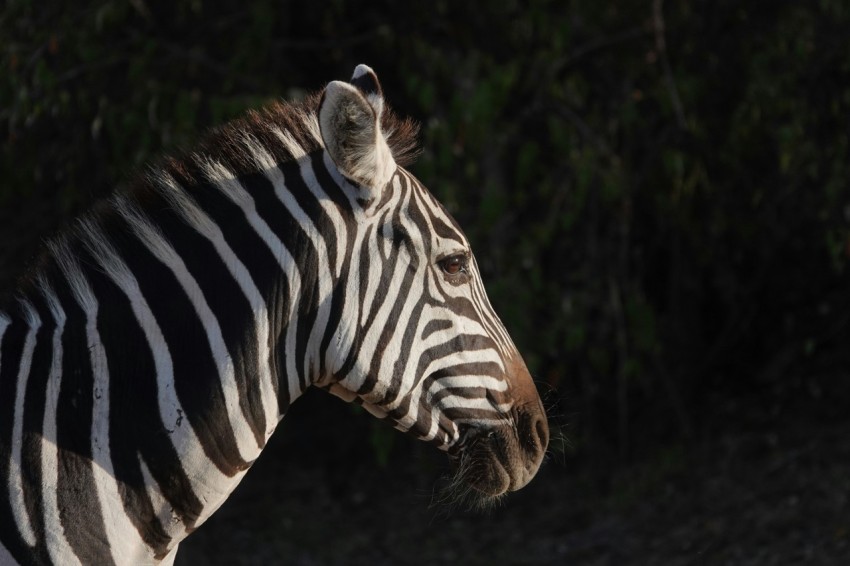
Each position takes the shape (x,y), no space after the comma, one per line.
(486,464)
(490,462)
(487,470)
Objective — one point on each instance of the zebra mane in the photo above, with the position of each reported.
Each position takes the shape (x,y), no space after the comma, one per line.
(287,131)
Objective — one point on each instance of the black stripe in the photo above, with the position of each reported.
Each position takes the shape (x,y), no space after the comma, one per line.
(387,263)
(76,490)
(294,237)
(227,302)
(491,369)
(334,192)
(363,261)
(311,205)
(381,295)
(388,218)
(433,326)
(135,425)
(196,378)
(278,290)
(461,307)
(401,238)
(385,338)
(423,419)
(33,424)
(451,230)
(392,219)
(337,306)
(340,290)
(258,260)
(459,343)
(407,349)
(444,426)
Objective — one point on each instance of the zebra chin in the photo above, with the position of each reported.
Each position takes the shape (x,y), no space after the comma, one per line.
(492,461)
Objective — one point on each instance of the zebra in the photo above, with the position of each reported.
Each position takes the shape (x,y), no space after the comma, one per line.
(153,347)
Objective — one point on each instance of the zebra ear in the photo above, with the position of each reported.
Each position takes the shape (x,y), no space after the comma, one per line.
(366,80)
(350,127)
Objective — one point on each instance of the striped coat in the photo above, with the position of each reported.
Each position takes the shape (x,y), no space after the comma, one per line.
(158,341)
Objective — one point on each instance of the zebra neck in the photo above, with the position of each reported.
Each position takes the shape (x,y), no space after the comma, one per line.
(297,224)
(159,344)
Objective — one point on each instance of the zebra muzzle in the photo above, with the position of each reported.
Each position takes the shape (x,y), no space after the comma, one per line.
(496,460)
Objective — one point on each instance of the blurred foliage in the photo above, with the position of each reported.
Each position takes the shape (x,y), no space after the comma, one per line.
(657,193)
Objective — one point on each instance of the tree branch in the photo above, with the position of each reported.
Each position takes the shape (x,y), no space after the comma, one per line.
(661,47)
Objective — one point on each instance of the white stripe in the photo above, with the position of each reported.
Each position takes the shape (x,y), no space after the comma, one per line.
(395,350)
(477,403)
(467,382)
(57,545)
(438,385)
(206,227)
(156,243)
(374,265)
(325,279)
(500,417)
(125,543)
(230,187)
(207,480)
(289,142)
(376,262)
(16,490)
(344,335)
(169,520)
(410,419)
(357,376)
(330,208)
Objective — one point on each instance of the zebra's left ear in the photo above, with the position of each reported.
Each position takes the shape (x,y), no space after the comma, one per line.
(349,120)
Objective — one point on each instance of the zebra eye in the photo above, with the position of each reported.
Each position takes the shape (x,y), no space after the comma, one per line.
(454,264)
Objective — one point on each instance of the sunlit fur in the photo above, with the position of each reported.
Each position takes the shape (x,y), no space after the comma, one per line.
(158,341)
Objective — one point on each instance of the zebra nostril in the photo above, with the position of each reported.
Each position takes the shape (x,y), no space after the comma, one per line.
(541,427)
(536,437)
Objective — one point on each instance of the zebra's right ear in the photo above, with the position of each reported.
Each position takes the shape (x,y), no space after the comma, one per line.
(351,132)
(365,79)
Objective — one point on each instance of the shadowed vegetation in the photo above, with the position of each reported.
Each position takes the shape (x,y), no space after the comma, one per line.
(657,193)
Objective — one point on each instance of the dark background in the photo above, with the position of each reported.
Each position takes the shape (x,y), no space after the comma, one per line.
(658,198)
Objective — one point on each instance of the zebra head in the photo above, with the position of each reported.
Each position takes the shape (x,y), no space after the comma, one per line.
(417,342)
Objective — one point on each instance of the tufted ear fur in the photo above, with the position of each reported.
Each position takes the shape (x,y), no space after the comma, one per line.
(349,120)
